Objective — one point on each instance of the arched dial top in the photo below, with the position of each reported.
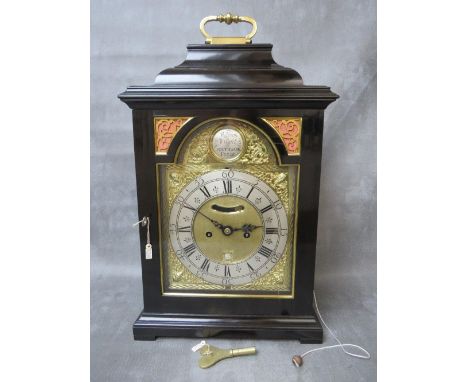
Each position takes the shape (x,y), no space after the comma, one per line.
(228,227)
(223,140)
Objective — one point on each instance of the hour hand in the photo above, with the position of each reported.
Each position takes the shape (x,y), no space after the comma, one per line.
(247,228)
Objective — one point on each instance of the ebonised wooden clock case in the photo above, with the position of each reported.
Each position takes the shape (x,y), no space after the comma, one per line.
(239,81)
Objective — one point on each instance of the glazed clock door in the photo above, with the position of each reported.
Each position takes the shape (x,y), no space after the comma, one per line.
(228,215)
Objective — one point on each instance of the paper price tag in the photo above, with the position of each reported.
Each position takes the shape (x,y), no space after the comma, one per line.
(198,346)
(149,252)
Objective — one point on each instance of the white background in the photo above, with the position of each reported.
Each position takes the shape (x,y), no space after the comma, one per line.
(422,190)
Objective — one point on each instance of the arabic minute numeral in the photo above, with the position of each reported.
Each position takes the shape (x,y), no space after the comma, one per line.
(228,174)
(226,281)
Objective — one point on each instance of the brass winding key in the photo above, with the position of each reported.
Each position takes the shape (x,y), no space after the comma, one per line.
(211,354)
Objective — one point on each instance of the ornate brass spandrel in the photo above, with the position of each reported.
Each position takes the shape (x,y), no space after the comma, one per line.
(165,129)
(198,148)
(256,152)
(180,276)
(289,129)
(277,178)
(177,177)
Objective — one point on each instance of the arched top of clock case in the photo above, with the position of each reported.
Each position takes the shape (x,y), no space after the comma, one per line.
(230,66)
(196,147)
(228,73)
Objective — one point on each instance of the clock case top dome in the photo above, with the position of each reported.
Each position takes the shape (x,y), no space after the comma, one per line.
(229,72)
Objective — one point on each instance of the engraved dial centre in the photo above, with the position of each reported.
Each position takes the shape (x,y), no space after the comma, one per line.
(229,237)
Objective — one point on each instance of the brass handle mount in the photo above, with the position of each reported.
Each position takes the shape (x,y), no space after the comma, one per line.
(228,18)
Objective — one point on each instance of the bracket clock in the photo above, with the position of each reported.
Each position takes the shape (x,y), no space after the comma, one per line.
(228,153)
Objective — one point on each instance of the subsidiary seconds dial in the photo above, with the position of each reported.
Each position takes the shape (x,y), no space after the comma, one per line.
(228,227)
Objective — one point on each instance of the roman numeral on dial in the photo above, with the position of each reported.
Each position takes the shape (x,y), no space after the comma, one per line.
(249,192)
(272,231)
(264,251)
(227,186)
(190,249)
(251,268)
(206,265)
(205,191)
(227,271)
(186,229)
(267,208)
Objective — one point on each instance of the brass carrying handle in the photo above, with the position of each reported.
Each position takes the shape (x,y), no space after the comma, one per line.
(228,18)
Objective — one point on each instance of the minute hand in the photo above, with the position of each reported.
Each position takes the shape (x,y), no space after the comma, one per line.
(215,223)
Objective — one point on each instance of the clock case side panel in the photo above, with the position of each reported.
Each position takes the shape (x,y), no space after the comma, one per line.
(161,312)
(143,137)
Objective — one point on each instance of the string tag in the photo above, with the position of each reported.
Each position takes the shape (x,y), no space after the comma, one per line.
(198,346)
(148,252)
(149,247)
(145,222)
(142,222)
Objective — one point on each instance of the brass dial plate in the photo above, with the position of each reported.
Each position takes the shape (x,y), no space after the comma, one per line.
(194,264)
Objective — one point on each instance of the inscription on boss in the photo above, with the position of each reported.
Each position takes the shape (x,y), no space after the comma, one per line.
(227,144)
